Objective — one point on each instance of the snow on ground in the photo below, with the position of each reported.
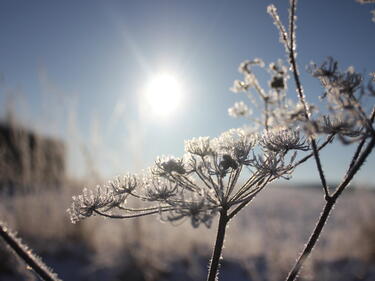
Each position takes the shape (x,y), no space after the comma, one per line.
(261,244)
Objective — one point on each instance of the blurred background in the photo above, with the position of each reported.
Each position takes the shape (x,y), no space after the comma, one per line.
(93,89)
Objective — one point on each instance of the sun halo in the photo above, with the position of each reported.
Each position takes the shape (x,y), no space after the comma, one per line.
(163,95)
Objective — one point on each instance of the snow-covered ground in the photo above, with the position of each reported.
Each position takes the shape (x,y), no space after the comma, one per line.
(261,243)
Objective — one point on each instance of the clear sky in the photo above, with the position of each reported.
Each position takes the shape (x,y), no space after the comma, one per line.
(78,69)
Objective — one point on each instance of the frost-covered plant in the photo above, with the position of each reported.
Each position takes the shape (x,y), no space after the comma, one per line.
(201,183)
(215,176)
(220,176)
(349,115)
(26,254)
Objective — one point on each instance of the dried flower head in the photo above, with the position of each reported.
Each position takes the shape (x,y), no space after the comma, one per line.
(236,143)
(199,146)
(239,86)
(167,166)
(239,109)
(340,125)
(91,200)
(283,140)
(340,86)
(125,184)
(198,185)
(279,75)
(159,189)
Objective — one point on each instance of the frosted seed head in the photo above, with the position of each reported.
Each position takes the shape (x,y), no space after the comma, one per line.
(199,146)
(340,124)
(239,109)
(239,86)
(168,166)
(245,66)
(278,68)
(271,9)
(236,143)
(124,184)
(283,140)
(159,189)
(228,162)
(99,198)
(277,83)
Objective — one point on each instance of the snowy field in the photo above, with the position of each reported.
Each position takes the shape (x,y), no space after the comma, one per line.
(261,244)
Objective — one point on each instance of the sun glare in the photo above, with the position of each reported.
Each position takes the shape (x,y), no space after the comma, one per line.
(163,94)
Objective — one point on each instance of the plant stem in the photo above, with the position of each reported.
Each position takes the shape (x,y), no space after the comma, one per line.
(312,241)
(355,168)
(216,255)
(26,255)
(330,202)
(301,96)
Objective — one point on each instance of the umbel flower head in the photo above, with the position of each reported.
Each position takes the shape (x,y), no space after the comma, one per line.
(275,109)
(345,93)
(198,185)
(283,140)
(347,116)
(239,109)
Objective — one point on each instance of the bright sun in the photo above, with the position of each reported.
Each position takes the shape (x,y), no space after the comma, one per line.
(163,94)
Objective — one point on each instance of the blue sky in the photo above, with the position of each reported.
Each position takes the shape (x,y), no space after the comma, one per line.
(76,69)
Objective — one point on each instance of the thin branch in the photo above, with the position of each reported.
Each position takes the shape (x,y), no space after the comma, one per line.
(242,205)
(355,168)
(247,201)
(142,209)
(26,255)
(130,216)
(330,202)
(312,241)
(252,181)
(232,181)
(301,96)
(372,117)
(357,153)
(360,146)
(304,159)
(266,114)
